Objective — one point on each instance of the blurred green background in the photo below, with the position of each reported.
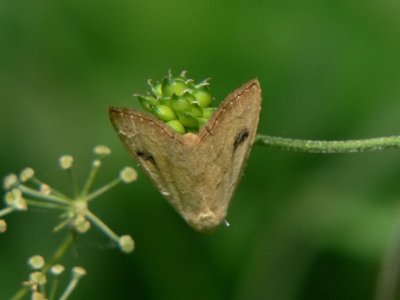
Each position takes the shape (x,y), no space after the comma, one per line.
(303,226)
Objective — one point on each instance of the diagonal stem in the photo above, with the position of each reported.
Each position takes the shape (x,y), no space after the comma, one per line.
(103,189)
(58,254)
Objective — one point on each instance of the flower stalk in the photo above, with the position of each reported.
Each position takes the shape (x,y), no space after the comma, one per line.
(327,147)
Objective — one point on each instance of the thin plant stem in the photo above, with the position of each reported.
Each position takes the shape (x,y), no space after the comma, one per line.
(68,291)
(388,279)
(6,211)
(39,183)
(61,251)
(314,146)
(37,203)
(90,179)
(99,223)
(103,189)
(34,193)
(54,288)
(61,225)
(42,289)
(58,254)
(74,182)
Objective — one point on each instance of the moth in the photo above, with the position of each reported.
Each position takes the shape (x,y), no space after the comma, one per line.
(197,173)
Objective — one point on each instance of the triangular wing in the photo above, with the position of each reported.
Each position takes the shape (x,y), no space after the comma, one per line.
(152,144)
(230,135)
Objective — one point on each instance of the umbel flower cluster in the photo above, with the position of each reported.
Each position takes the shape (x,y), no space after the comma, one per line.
(38,279)
(181,103)
(26,190)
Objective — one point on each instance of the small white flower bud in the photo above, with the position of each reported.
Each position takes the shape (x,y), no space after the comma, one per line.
(14,199)
(26,174)
(45,189)
(57,269)
(128,175)
(97,163)
(126,243)
(38,277)
(9,181)
(66,162)
(20,204)
(12,196)
(78,272)
(81,224)
(36,262)
(3,226)
(102,150)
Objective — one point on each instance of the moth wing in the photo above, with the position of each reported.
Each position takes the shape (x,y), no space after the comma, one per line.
(230,135)
(198,174)
(151,143)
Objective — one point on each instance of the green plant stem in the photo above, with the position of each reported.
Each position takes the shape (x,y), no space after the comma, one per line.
(58,254)
(103,189)
(102,226)
(6,211)
(40,204)
(388,280)
(61,251)
(31,192)
(75,185)
(54,288)
(314,146)
(90,179)
(55,192)
(68,291)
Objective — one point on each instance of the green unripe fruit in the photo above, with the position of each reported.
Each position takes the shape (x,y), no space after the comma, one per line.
(203,96)
(195,111)
(147,102)
(179,103)
(177,126)
(187,120)
(163,112)
(173,86)
(188,96)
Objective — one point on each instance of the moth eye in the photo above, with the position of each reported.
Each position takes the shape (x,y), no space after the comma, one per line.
(146,156)
(240,138)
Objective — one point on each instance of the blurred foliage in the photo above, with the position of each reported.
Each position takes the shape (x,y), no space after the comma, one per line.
(303,226)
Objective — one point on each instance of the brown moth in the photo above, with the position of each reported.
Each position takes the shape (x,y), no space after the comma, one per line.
(197,173)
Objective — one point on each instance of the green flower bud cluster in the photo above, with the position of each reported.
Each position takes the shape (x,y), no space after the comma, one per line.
(179,102)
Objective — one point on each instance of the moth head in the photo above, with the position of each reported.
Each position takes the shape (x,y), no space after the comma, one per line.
(204,222)
(182,104)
